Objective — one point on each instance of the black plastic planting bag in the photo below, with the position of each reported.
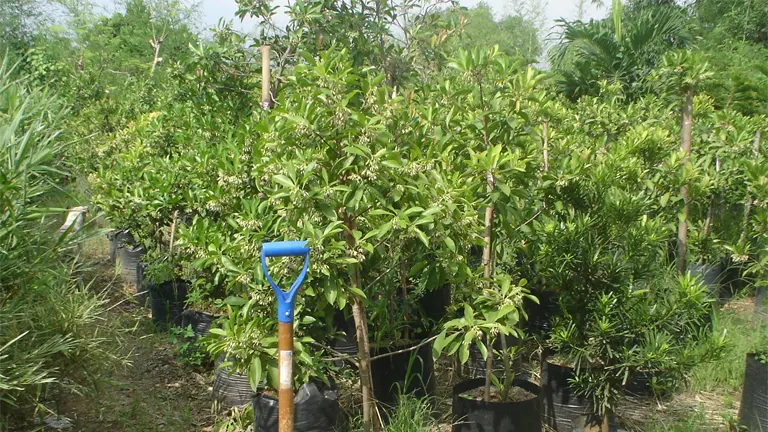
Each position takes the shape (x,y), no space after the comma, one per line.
(230,389)
(409,372)
(201,322)
(710,275)
(471,415)
(753,412)
(540,314)
(167,302)
(314,410)
(564,411)
(761,302)
(129,257)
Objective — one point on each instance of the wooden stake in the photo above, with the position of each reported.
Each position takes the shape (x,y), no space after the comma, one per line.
(685,145)
(266,93)
(545,135)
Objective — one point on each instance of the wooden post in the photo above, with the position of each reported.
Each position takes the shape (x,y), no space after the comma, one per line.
(266,93)
(544,133)
(685,145)
(285,370)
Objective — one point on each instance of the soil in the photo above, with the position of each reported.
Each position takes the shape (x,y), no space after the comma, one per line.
(516,394)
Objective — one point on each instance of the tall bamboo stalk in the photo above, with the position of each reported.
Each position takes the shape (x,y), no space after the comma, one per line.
(266,94)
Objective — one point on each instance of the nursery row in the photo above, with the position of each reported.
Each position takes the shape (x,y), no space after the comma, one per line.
(441,212)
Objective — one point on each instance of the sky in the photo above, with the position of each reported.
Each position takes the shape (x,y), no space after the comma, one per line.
(213,10)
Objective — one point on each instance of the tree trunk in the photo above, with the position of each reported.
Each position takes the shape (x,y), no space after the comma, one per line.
(685,145)
(507,368)
(156,43)
(487,258)
(361,329)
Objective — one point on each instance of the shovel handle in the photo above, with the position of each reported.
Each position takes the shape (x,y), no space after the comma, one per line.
(285,299)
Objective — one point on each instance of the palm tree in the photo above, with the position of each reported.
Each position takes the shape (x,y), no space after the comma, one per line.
(623,48)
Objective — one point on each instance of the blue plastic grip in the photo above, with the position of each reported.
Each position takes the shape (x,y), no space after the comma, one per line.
(285,248)
(285,299)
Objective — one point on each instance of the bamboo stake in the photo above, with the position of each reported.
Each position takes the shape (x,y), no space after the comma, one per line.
(266,94)
(685,145)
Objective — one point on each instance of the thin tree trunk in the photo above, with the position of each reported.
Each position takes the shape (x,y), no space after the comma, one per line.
(156,43)
(404,287)
(507,368)
(685,145)
(487,273)
(361,330)
(266,94)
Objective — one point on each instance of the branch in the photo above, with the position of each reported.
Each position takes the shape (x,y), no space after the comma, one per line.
(424,342)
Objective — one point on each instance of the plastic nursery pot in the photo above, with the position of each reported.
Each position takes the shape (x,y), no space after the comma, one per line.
(476,363)
(435,303)
(753,412)
(201,322)
(315,410)
(761,302)
(410,372)
(640,384)
(710,275)
(472,415)
(167,303)
(564,411)
(540,315)
(230,389)
(346,341)
(734,280)
(129,257)
(116,239)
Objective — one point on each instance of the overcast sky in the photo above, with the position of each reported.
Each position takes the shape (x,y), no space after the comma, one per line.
(215,9)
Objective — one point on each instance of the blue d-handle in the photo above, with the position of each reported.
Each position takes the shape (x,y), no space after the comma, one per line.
(285,299)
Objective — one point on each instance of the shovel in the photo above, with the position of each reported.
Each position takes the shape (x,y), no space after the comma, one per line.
(285,307)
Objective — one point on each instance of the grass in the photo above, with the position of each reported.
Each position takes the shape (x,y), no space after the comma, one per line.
(727,375)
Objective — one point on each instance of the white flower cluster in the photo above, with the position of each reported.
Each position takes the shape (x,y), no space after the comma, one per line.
(213,206)
(234,180)
(249,224)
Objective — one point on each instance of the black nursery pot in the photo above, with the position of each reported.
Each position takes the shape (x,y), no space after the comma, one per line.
(315,410)
(130,258)
(201,322)
(471,415)
(761,302)
(392,375)
(641,384)
(753,412)
(564,411)
(230,389)
(540,315)
(711,276)
(167,303)
(116,239)
(435,303)
(476,364)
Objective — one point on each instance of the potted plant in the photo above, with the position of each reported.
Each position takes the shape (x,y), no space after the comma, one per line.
(753,412)
(246,345)
(491,403)
(167,289)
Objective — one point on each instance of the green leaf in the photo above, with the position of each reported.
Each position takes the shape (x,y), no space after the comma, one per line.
(463,353)
(483,349)
(229,265)
(422,236)
(357,291)
(327,211)
(235,301)
(451,245)
(217,331)
(254,373)
(283,180)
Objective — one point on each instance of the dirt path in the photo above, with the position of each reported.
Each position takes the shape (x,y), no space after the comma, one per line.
(155,392)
